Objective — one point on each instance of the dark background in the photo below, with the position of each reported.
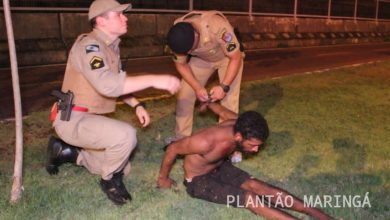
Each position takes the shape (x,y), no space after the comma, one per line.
(343,8)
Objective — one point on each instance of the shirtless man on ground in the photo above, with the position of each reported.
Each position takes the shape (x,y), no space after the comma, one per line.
(209,175)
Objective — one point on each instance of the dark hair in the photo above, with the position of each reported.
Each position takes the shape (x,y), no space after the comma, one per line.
(181,37)
(251,124)
(92,22)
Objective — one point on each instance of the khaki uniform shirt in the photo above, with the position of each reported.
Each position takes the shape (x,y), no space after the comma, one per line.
(216,36)
(93,72)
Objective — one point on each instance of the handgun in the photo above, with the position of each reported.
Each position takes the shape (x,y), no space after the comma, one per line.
(65,103)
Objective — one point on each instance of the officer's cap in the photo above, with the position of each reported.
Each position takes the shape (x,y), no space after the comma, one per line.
(181,37)
(99,7)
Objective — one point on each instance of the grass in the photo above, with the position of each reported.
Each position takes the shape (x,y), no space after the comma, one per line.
(329,136)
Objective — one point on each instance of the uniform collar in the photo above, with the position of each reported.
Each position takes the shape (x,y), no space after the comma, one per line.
(104,38)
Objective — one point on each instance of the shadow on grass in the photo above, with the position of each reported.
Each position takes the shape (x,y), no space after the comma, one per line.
(346,183)
(278,143)
(266,96)
(353,155)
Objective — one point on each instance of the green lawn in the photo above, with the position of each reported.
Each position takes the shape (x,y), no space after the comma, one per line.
(330,135)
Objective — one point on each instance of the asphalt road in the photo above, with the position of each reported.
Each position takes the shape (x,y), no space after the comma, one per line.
(37,82)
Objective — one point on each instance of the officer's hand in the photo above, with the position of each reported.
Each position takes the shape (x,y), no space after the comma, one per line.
(167,82)
(165,183)
(217,93)
(143,116)
(202,95)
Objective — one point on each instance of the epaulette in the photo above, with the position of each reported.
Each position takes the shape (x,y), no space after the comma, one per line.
(81,37)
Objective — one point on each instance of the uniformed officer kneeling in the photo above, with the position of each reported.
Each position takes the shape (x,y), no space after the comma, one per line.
(93,80)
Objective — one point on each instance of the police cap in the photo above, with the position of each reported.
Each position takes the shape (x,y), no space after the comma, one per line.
(99,7)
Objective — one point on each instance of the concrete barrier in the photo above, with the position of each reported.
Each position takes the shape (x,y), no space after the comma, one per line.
(45,38)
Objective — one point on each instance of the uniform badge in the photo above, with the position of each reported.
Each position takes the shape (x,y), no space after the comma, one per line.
(96,63)
(230,47)
(227,37)
(92,48)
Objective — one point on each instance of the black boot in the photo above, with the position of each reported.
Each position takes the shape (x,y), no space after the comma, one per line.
(112,191)
(118,180)
(59,152)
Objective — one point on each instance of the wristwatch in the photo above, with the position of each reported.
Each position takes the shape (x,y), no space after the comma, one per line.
(225,88)
(140,104)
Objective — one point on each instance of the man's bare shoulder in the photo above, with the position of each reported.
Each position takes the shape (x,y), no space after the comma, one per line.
(204,134)
(201,140)
(214,133)
(216,141)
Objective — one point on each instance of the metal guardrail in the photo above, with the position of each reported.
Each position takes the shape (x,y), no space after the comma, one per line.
(249,13)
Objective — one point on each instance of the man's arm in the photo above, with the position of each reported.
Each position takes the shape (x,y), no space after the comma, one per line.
(235,60)
(137,83)
(196,144)
(140,111)
(187,74)
(222,112)
(130,100)
(94,67)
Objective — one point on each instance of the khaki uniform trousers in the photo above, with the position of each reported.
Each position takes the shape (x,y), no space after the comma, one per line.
(106,143)
(186,97)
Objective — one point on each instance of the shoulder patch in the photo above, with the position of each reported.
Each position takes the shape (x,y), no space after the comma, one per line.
(230,47)
(227,37)
(96,63)
(92,48)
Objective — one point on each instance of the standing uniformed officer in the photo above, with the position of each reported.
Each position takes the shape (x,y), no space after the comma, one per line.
(203,42)
(94,76)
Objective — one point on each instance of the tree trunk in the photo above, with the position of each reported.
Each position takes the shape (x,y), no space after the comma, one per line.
(16,192)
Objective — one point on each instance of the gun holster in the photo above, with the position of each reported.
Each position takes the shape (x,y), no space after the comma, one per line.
(64,103)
